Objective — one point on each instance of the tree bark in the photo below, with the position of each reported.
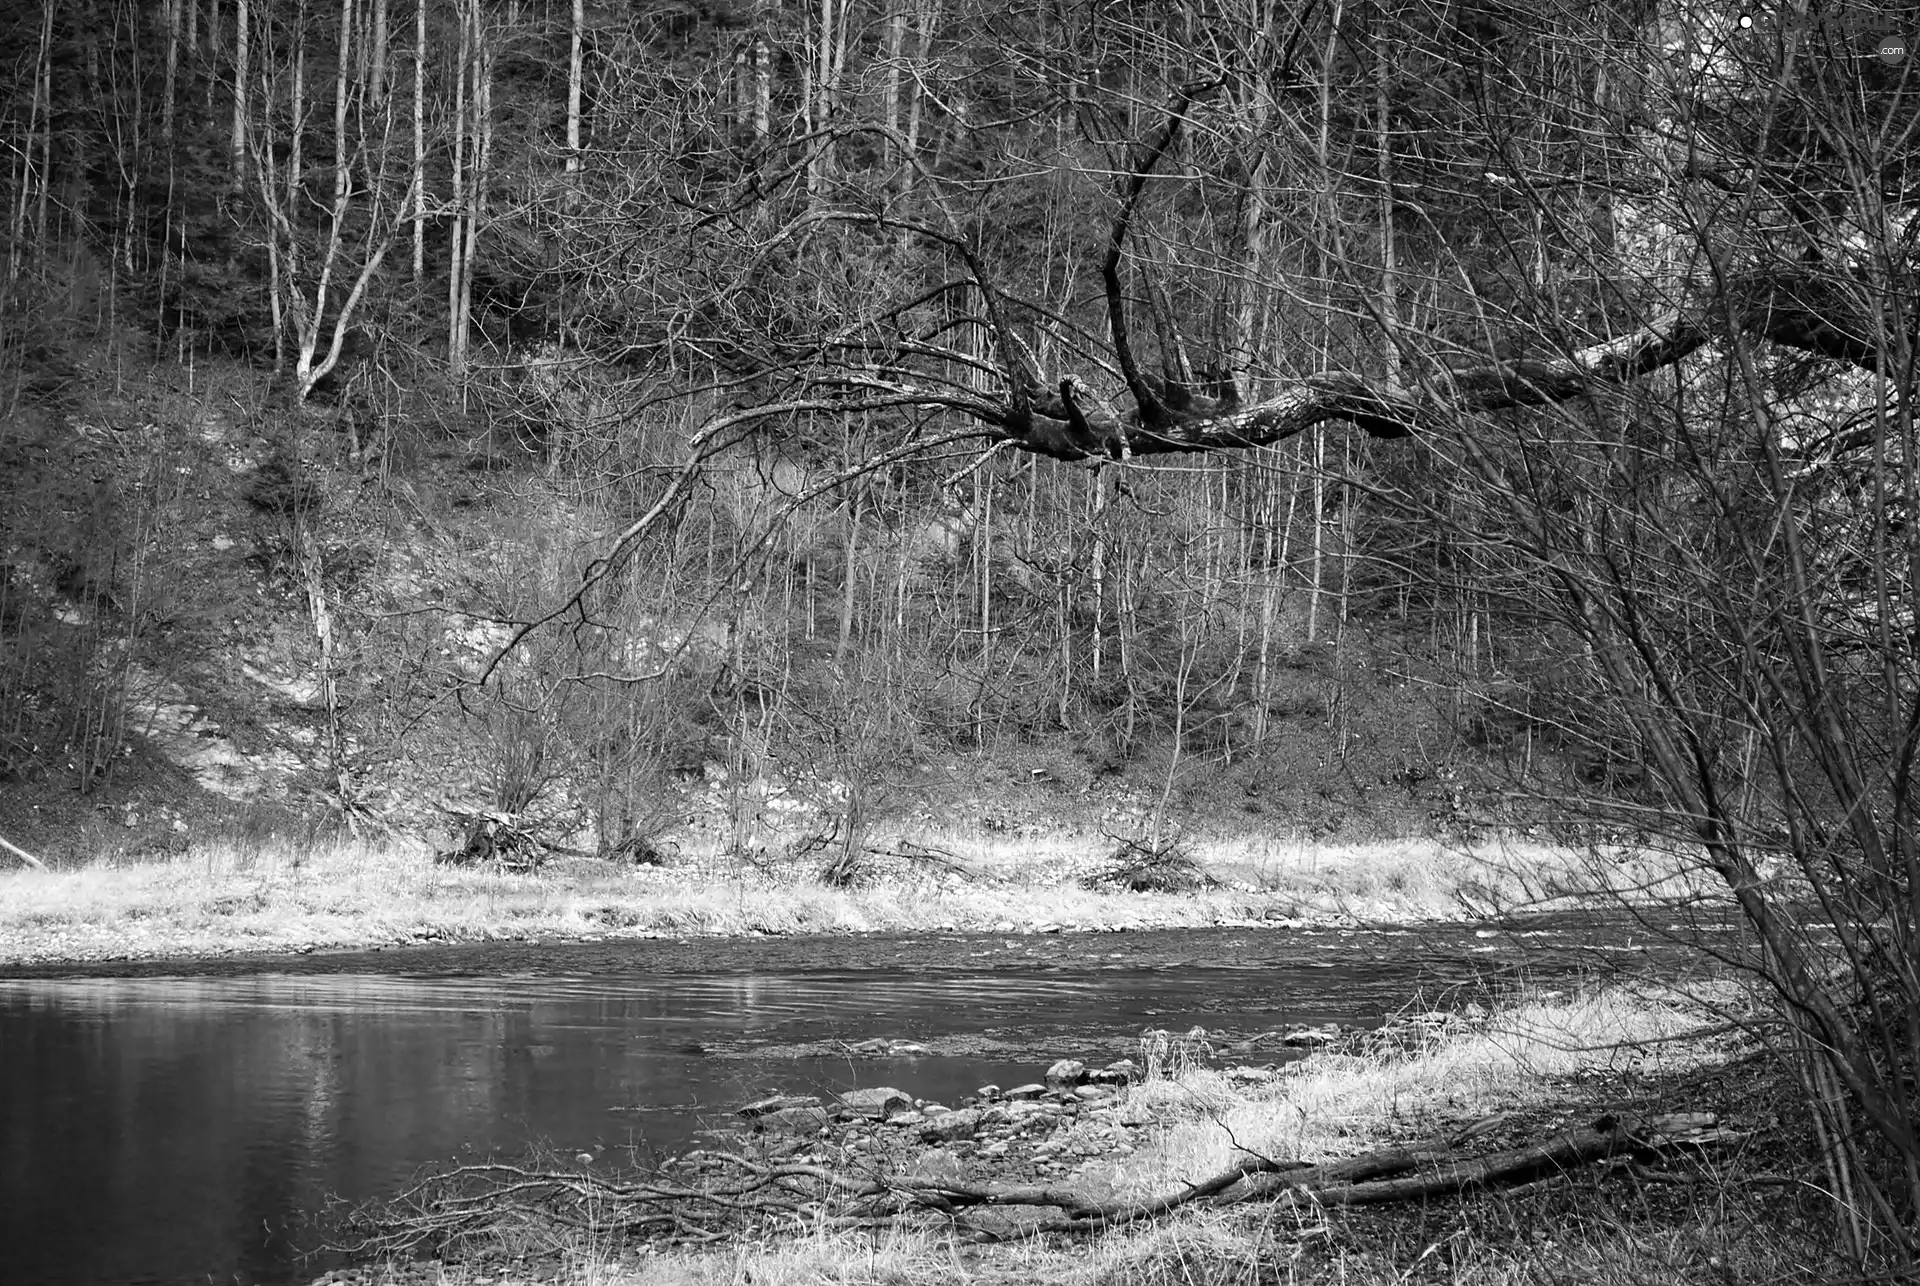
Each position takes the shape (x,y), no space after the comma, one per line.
(419,137)
(575,41)
(241,32)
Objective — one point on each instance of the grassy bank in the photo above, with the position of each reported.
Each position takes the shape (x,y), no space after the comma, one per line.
(225,897)
(1546,1063)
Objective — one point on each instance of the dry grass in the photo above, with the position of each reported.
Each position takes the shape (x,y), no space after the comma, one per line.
(1335,1105)
(223,897)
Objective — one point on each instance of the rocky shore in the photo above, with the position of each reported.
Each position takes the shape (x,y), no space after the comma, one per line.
(1066,1128)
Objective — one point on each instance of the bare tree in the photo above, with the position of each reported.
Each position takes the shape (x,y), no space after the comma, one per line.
(1638,283)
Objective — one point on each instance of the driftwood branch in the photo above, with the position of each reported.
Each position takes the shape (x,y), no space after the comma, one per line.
(22,854)
(735,1194)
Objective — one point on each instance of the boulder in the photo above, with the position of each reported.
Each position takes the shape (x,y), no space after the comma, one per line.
(1067,1072)
(876,1103)
(1119,1072)
(950,1127)
(1034,1090)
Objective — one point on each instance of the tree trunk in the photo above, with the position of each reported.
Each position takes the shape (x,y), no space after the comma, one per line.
(241,10)
(896,42)
(377,72)
(419,137)
(574,44)
(456,250)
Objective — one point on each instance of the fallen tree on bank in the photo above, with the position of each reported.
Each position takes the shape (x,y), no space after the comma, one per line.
(735,1195)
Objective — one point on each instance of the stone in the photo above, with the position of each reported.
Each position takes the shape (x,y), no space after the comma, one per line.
(1119,1072)
(876,1103)
(936,1165)
(905,1119)
(796,1120)
(950,1127)
(987,1091)
(1029,1113)
(1092,1093)
(1066,1072)
(1034,1090)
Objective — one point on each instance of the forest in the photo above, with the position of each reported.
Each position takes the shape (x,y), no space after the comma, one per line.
(865,381)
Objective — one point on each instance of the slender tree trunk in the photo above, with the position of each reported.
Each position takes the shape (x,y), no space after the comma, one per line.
(983,546)
(377,53)
(1329,219)
(1098,570)
(31,188)
(342,165)
(419,138)
(456,250)
(896,42)
(850,581)
(295,161)
(1383,148)
(169,85)
(574,44)
(241,10)
(928,13)
(762,86)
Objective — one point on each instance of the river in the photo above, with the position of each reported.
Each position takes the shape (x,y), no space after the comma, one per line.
(176,1122)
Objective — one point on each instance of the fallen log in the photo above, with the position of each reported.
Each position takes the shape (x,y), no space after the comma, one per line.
(1374,1178)
(740,1192)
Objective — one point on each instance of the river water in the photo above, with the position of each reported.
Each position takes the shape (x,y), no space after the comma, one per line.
(188,1122)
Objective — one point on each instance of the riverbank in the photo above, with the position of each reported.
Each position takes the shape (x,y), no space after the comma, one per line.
(218,899)
(1735,1206)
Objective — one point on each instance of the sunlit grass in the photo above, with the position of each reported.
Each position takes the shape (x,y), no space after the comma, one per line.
(238,896)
